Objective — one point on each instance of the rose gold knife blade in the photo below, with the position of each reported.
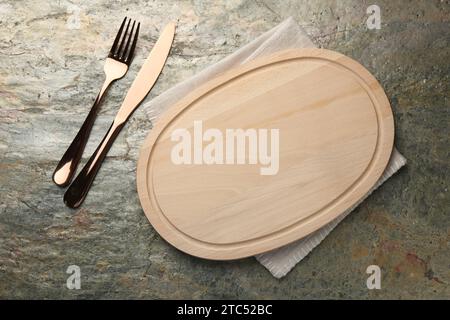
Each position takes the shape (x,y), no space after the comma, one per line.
(148,74)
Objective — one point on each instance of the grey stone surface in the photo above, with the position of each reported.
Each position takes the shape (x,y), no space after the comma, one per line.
(50,71)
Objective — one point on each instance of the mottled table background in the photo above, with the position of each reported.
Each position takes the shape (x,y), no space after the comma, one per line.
(51,66)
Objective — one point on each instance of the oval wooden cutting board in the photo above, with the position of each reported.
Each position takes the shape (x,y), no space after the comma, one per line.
(335,136)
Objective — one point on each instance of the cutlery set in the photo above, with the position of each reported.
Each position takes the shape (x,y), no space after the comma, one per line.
(116,66)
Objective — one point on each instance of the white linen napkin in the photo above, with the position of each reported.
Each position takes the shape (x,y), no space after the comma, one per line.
(286,35)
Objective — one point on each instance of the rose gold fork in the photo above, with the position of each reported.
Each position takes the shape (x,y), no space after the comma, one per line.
(116,66)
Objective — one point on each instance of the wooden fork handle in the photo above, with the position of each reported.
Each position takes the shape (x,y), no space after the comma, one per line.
(79,188)
(67,166)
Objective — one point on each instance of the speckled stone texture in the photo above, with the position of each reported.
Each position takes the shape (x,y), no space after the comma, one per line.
(51,62)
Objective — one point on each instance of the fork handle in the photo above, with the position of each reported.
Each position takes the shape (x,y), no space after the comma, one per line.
(79,188)
(67,166)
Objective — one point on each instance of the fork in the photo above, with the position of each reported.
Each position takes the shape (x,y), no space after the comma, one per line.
(116,66)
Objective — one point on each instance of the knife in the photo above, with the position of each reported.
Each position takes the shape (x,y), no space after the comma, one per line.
(145,79)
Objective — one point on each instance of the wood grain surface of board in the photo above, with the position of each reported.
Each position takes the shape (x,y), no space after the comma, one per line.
(322,117)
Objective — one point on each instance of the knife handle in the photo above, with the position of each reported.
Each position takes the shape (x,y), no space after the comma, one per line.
(79,188)
(67,166)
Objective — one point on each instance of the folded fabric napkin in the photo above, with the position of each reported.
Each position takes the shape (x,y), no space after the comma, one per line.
(286,35)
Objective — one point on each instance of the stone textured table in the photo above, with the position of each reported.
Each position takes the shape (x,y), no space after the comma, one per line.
(51,61)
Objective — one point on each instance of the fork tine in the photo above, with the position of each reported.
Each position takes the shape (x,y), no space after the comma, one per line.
(119,51)
(127,45)
(116,40)
(133,45)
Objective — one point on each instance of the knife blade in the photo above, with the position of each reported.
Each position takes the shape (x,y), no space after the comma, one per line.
(149,73)
(141,86)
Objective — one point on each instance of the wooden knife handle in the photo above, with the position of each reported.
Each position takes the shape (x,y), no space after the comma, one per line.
(79,188)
